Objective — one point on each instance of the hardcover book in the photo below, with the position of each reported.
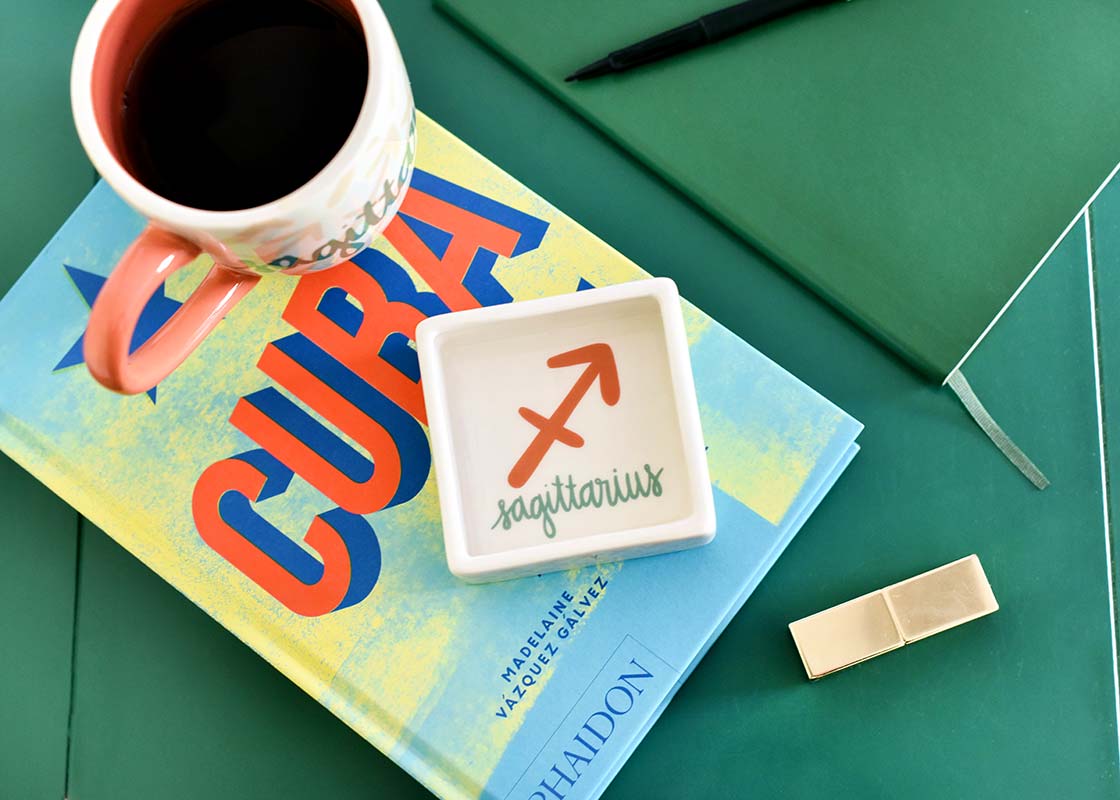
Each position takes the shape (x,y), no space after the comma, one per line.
(281,479)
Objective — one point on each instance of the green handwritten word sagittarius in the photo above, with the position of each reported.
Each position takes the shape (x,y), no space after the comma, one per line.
(561,497)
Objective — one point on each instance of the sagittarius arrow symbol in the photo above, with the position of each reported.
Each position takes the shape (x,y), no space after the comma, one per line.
(600,366)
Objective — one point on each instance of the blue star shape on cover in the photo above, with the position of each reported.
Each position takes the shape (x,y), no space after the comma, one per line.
(158,310)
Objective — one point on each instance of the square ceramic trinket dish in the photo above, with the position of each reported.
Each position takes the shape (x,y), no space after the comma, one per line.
(565,431)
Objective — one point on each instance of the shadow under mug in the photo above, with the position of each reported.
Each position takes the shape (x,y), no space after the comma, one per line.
(333,216)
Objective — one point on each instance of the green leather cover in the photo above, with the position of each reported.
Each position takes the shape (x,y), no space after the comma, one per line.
(910,161)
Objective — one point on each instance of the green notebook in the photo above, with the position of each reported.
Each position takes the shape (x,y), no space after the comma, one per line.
(911,161)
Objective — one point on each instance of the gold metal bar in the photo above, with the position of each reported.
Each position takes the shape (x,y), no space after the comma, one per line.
(889,618)
(941,599)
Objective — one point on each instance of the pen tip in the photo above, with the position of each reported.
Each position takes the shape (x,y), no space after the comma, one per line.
(600,67)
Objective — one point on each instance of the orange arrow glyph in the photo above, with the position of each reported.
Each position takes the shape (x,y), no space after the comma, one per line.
(599,359)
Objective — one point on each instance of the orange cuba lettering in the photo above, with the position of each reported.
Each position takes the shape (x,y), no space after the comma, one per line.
(223,510)
(371,340)
(469,234)
(344,410)
(397,459)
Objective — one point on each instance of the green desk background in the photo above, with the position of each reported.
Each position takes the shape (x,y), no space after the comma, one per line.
(161,702)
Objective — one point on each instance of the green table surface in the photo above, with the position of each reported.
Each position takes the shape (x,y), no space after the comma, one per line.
(159,701)
(43,174)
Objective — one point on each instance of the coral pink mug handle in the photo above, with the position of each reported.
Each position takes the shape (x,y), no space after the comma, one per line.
(147,263)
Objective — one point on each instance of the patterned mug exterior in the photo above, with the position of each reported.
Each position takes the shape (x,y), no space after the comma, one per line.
(336,214)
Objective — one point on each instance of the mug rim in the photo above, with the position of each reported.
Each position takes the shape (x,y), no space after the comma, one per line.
(378,39)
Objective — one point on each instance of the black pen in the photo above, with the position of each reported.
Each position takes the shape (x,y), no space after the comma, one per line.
(705,30)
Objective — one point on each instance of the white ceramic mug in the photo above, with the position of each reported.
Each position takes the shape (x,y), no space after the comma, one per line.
(334,215)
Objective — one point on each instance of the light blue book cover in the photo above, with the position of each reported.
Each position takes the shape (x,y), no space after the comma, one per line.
(241,480)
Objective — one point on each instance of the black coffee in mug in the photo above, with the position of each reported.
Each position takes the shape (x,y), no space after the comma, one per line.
(235,103)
